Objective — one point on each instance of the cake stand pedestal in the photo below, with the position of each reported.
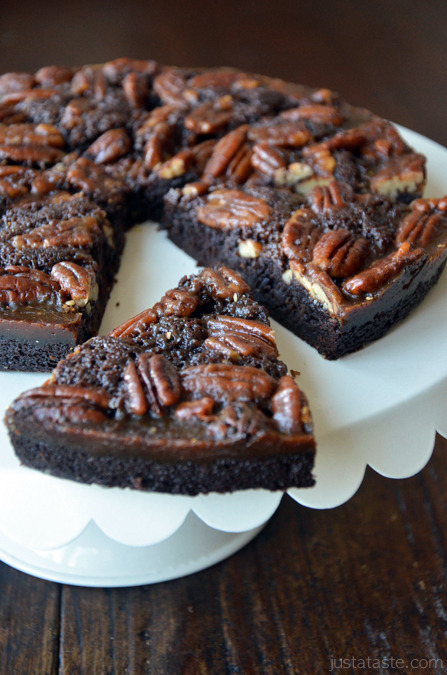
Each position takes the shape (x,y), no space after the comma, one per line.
(93,559)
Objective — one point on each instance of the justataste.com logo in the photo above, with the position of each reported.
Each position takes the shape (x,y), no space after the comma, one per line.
(387,663)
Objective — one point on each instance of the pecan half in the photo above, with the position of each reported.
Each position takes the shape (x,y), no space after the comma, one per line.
(176,302)
(224,283)
(89,78)
(207,118)
(159,144)
(23,286)
(136,401)
(319,285)
(50,76)
(227,209)
(315,112)
(287,406)
(11,82)
(267,159)
(300,235)
(240,167)
(31,134)
(214,79)
(161,380)
(340,254)
(30,154)
(136,89)
(152,383)
(285,134)
(382,271)
(420,227)
(90,177)
(224,151)
(79,282)
(245,336)
(136,324)
(191,410)
(225,383)
(110,146)
(323,199)
(170,86)
(77,231)
(95,395)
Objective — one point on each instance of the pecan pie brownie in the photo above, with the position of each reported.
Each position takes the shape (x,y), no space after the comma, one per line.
(315,201)
(187,397)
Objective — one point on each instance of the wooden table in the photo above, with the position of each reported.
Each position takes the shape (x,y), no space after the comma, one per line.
(365,582)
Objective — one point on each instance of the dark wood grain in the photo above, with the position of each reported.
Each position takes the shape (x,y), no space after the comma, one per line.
(365,580)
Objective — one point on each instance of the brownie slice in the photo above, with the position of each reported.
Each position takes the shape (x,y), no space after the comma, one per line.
(58,256)
(338,268)
(187,397)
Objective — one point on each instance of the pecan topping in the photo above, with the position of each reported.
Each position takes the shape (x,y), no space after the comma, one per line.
(137,403)
(318,283)
(224,283)
(287,406)
(249,248)
(96,396)
(177,302)
(225,383)
(224,151)
(89,78)
(136,89)
(316,112)
(320,158)
(135,325)
(176,165)
(119,68)
(340,254)
(422,226)
(244,336)
(267,159)
(30,154)
(326,198)
(76,231)
(240,167)
(31,134)
(159,144)
(169,86)
(214,79)
(160,376)
(405,173)
(152,382)
(110,146)
(228,209)
(23,286)
(190,410)
(90,177)
(292,174)
(11,82)
(379,273)
(50,76)
(287,134)
(77,281)
(207,119)
(26,95)
(300,235)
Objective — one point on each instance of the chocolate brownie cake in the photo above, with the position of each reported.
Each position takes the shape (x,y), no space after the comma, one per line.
(187,397)
(317,203)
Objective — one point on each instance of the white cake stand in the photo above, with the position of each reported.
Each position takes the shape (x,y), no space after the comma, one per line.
(380,406)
